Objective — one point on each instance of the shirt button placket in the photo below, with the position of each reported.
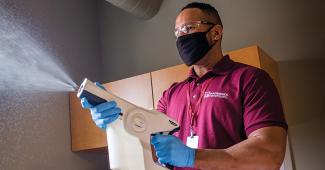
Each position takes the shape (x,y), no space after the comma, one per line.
(196,91)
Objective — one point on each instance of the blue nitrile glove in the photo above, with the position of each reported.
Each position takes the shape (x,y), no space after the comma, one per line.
(171,150)
(104,113)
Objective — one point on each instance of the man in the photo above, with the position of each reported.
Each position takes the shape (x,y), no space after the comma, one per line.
(230,114)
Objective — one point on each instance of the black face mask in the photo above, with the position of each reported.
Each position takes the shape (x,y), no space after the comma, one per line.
(193,47)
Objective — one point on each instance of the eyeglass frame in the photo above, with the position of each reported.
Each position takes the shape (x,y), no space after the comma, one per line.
(178,30)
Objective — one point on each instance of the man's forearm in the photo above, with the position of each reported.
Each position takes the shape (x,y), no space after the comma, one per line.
(224,159)
(254,153)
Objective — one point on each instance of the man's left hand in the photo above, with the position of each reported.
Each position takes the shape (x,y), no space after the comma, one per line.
(170,150)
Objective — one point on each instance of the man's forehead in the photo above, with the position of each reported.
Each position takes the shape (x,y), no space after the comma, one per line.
(188,15)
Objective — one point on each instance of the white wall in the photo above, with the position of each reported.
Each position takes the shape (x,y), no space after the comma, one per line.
(35,126)
(35,134)
(131,46)
(303,97)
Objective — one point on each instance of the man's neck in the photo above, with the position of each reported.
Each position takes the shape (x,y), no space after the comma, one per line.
(207,63)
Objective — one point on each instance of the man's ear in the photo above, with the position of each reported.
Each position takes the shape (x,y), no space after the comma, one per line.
(217,32)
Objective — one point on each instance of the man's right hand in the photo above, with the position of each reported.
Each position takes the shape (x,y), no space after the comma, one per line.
(102,114)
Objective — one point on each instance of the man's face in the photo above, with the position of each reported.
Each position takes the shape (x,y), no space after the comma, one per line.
(187,21)
(193,48)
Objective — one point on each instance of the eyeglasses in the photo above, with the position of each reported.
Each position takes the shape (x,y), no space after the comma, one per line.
(190,27)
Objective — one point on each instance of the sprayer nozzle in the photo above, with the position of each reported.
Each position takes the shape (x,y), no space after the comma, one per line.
(88,89)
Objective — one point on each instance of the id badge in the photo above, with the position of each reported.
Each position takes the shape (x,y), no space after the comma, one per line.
(192,142)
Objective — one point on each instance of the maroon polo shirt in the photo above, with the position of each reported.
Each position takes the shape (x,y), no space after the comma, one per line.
(238,100)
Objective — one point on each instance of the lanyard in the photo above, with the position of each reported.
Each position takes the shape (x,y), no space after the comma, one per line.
(193,112)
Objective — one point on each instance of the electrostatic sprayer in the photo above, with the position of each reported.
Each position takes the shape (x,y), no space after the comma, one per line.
(128,137)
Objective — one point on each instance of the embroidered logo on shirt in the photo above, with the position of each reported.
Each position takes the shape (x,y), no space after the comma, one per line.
(215,94)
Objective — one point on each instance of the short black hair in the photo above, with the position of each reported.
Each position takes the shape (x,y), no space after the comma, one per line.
(206,8)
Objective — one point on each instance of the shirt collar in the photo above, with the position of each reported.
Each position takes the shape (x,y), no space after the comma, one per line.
(223,67)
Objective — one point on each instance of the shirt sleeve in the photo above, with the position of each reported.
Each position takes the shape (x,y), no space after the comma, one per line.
(261,102)
(162,103)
